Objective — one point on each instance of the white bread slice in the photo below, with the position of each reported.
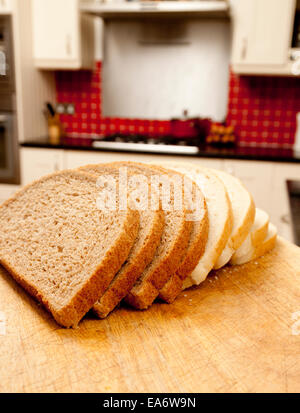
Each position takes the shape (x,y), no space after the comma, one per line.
(60,247)
(219,217)
(194,252)
(261,249)
(243,209)
(256,236)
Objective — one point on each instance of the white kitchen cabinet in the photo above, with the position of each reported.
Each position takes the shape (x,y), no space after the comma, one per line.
(6,191)
(267,183)
(37,162)
(256,176)
(206,162)
(74,159)
(6,6)
(262,36)
(63,37)
(265,180)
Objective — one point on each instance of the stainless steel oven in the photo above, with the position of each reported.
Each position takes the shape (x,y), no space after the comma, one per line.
(9,152)
(9,155)
(6,56)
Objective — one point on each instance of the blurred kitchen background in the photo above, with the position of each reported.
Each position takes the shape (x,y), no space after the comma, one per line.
(211,82)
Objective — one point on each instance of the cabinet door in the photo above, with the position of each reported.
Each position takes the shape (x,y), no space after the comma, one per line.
(56,33)
(5,6)
(6,191)
(257,178)
(38,162)
(262,31)
(243,17)
(75,159)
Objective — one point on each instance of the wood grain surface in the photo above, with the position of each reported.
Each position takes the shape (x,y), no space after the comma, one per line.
(234,333)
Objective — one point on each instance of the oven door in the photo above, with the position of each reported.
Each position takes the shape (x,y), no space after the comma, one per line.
(6,56)
(9,156)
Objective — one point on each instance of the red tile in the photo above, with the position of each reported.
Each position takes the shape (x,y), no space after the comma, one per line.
(262,109)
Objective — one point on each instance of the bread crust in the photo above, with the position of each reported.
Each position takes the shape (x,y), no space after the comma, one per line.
(256,237)
(259,235)
(227,228)
(257,251)
(220,245)
(144,292)
(120,286)
(196,248)
(133,268)
(143,296)
(267,246)
(93,288)
(236,239)
(244,230)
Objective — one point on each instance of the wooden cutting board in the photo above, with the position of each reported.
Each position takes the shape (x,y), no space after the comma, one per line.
(234,333)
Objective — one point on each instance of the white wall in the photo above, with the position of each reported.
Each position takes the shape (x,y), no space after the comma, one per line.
(157,71)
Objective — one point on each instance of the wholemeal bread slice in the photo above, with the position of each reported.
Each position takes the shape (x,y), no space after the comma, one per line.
(243,209)
(193,254)
(256,236)
(147,241)
(255,252)
(60,247)
(174,240)
(219,217)
(195,249)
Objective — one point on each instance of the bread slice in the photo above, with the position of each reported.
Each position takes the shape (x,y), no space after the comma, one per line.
(174,240)
(243,209)
(194,252)
(255,252)
(256,236)
(219,218)
(60,247)
(195,249)
(147,241)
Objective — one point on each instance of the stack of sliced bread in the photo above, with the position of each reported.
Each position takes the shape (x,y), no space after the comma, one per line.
(90,238)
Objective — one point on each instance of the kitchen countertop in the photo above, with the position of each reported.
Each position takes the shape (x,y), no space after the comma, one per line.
(236,332)
(238,152)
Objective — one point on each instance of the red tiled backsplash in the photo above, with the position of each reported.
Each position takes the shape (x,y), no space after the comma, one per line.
(262,109)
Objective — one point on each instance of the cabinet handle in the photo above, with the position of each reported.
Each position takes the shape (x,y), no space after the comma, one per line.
(296,68)
(244,48)
(68,45)
(3,118)
(285,219)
